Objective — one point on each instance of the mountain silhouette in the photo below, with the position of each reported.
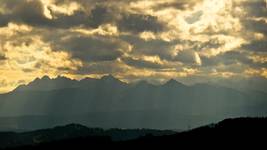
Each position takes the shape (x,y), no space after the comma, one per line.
(72,131)
(111,79)
(47,84)
(238,132)
(174,83)
(108,102)
(229,133)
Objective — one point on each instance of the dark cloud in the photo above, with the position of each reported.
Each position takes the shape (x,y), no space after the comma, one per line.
(255,8)
(2,57)
(31,13)
(95,48)
(257,46)
(179,4)
(227,58)
(98,15)
(259,26)
(3,20)
(104,67)
(186,57)
(140,23)
(100,53)
(28,12)
(79,18)
(164,49)
(232,58)
(139,63)
(153,47)
(254,22)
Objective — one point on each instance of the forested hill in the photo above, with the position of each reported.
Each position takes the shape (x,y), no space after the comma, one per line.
(239,132)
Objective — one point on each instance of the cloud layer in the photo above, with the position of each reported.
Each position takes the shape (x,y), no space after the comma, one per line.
(189,40)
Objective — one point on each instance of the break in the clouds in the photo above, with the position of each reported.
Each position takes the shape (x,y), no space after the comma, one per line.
(189,40)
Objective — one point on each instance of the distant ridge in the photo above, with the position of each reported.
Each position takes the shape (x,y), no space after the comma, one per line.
(109,102)
(47,84)
(174,83)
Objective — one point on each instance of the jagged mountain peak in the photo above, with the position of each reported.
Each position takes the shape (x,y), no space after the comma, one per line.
(110,79)
(173,82)
(46,77)
(46,83)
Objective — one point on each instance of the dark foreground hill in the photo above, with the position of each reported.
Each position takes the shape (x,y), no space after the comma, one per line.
(239,132)
(74,131)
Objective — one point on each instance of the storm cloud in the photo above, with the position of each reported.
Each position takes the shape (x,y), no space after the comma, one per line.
(133,39)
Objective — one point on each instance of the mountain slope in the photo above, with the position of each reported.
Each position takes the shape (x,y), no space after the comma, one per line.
(108,102)
(240,132)
(229,133)
(72,131)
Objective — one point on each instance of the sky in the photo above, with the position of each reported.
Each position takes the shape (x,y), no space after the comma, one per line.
(192,41)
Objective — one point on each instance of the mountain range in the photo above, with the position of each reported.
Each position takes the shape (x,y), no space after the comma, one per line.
(110,103)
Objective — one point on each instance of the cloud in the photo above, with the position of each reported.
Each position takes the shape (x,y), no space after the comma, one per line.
(255,8)
(33,13)
(188,57)
(240,59)
(27,57)
(102,68)
(259,26)
(30,12)
(259,58)
(145,62)
(228,58)
(140,23)
(3,20)
(92,48)
(157,5)
(2,57)
(190,40)
(257,46)
(97,16)
(257,72)
(194,17)
(158,47)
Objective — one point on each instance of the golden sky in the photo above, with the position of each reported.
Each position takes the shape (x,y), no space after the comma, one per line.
(188,40)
